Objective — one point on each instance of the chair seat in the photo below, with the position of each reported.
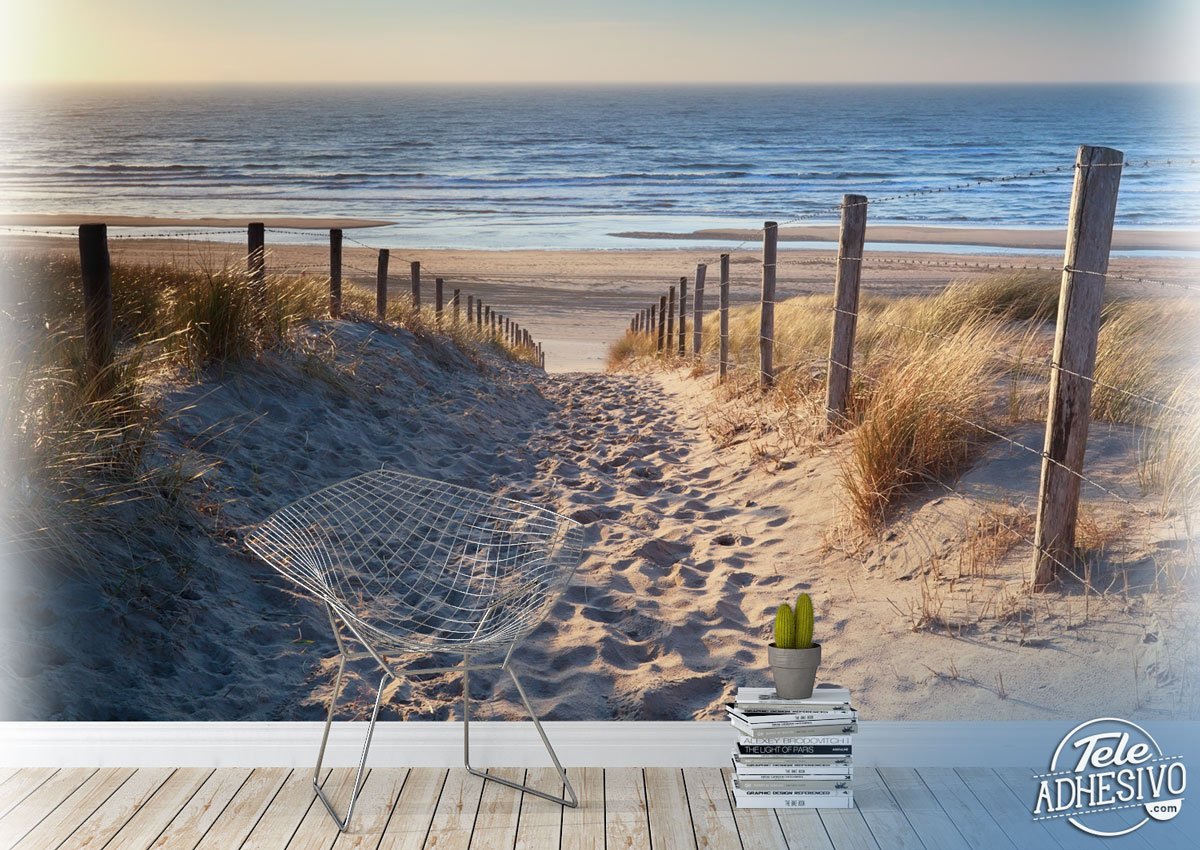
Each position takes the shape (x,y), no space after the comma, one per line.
(417,565)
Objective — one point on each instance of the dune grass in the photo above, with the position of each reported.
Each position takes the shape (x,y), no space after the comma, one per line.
(930,371)
(916,419)
(79,445)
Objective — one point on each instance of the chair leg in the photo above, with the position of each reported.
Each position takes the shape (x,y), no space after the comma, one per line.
(344,822)
(570,799)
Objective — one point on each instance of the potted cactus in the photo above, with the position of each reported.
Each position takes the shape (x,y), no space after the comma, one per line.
(793,656)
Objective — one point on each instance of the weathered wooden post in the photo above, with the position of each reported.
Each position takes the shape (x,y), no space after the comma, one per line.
(670,320)
(845,308)
(335,273)
(682,316)
(470,309)
(415,275)
(479,314)
(454,305)
(437,298)
(662,320)
(1085,264)
(256,257)
(698,310)
(653,319)
(381,277)
(96,273)
(766,329)
(723,305)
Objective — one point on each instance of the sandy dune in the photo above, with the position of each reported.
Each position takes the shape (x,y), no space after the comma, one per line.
(692,544)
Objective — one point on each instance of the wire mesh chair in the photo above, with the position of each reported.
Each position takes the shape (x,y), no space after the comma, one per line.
(410,565)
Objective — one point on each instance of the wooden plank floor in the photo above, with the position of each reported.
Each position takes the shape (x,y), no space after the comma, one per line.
(436,809)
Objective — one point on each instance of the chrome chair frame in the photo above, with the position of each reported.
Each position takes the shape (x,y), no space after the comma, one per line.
(409,566)
(391,672)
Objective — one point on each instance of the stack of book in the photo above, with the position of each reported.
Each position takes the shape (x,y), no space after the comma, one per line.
(793,753)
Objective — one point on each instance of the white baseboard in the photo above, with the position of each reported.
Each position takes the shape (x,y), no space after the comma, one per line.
(595,744)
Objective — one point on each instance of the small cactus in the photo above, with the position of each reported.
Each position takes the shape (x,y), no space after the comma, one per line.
(804,622)
(785,627)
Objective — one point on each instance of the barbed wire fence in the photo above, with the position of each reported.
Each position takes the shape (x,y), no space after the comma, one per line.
(1042,516)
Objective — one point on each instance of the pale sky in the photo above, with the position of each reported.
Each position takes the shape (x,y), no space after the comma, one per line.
(619,41)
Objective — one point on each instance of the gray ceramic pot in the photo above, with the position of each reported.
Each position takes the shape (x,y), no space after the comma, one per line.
(795,670)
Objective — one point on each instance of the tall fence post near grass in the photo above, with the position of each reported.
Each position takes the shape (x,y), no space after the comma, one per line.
(335,273)
(381,275)
(766,329)
(1085,263)
(682,316)
(470,308)
(454,305)
(256,256)
(845,308)
(96,273)
(479,314)
(670,321)
(698,309)
(437,297)
(653,318)
(415,276)
(662,320)
(723,305)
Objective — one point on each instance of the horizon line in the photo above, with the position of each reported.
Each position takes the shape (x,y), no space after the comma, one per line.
(27,84)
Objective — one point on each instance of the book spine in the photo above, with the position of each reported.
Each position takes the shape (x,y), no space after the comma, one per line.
(765,800)
(791,771)
(820,710)
(814,718)
(760,749)
(792,730)
(804,740)
(827,762)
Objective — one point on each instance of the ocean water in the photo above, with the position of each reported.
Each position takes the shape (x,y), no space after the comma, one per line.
(567,167)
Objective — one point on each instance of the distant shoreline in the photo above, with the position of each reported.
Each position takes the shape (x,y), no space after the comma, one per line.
(1127,239)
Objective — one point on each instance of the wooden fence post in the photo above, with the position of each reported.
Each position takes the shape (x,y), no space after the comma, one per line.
(698,310)
(381,276)
(653,319)
(454,305)
(682,316)
(670,321)
(662,320)
(415,274)
(335,273)
(845,309)
(96,273)
(1085,263)
(479,314)
(724,308)
(256,256)
(437,297)
(470,308)
(766,328)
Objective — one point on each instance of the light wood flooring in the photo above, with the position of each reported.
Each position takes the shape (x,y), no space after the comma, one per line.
(436,809)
